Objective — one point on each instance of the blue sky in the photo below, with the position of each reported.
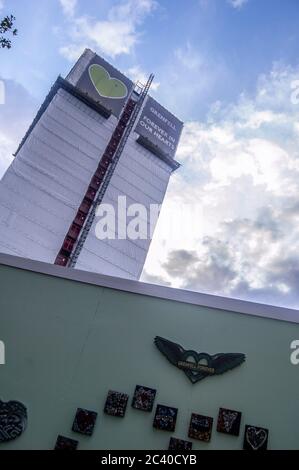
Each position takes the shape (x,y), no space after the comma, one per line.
(225,47)
(225,67)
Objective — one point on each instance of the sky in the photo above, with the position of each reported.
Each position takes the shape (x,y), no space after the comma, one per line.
(230,70)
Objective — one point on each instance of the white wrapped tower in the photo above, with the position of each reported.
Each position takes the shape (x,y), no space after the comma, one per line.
(48,192)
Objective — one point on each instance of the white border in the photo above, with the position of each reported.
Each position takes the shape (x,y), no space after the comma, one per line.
(152,290)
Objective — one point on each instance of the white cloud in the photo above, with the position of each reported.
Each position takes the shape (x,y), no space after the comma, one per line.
(241,167)
(137,74)
(72,51)
(1,4)
(237,3)
(115,35)
(69,7)
(189,57)
(111,37)
(132,10)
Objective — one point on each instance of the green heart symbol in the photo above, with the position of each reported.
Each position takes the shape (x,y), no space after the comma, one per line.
(106,86)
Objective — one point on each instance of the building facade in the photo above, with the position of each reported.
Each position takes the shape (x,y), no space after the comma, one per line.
(79,146)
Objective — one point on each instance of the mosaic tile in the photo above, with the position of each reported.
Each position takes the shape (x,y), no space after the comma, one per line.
(65,443)
(255,438)
(165,418)
(200,427)
(179,444)
(84,421)
(144,398)
(116,404)
(229,421)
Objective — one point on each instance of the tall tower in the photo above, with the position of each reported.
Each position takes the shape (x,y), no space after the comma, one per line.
(96,137)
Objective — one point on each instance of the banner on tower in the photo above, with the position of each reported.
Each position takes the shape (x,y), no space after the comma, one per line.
(105,84)
(158,129)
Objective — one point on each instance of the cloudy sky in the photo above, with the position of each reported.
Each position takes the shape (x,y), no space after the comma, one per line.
(230,70)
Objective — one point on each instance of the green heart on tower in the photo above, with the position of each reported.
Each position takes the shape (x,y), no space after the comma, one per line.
(106,86)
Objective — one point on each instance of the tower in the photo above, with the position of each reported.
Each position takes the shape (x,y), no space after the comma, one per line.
(97,137)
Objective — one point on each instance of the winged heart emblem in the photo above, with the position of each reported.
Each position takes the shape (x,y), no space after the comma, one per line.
(198,366)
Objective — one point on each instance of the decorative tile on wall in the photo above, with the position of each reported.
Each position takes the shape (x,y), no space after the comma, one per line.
(165,418)
(144,398)
(13,420)
(200,427)
(84,421)
(179,444)
(116,404)
(229,421)
(65,443)
(255,438)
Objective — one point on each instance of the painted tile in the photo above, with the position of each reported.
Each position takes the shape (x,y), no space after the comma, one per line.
(84,421)
(144,398)
(229,421)
(165,418)
(179,444)
(200,427)
(116,404)
(255,438)
(65,443)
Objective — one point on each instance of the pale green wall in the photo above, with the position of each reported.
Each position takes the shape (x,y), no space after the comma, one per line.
(68,343)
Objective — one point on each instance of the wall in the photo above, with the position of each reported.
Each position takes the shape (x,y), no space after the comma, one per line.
(68,343)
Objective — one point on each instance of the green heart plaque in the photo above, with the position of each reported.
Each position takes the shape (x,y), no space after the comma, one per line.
(106,86)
